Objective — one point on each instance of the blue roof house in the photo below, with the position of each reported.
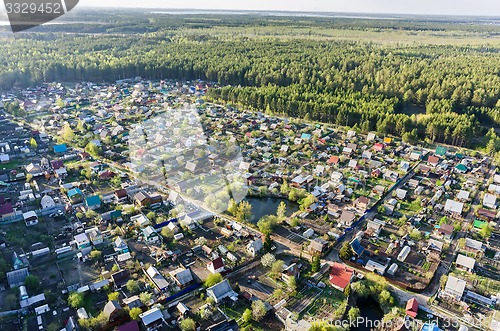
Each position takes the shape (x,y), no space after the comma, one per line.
(62,148)
(93,202)
(75,195)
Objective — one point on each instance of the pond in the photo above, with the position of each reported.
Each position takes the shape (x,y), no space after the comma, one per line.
(370,312)
(267,206)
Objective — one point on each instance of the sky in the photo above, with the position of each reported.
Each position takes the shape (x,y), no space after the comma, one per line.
(425,7)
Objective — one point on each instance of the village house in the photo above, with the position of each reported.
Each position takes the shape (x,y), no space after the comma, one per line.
(412,307)
(112,311)
(150,235)
(216,265)
(290,271)
(254,247)
(347,218)
(445,231)
(158,280)
(221,291)
(454,288)
(465,262)
(340,276)
(183,277)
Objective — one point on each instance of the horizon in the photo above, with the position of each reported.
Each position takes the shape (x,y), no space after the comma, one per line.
(487,8)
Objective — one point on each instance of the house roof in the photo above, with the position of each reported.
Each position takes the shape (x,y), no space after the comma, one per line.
(455,286)
(433,159)
(333,159)
(446,229)
(221,291)
(6,208)
(157,278)
(151,316)
(74,191)
(183,276)
(60,148)
(217,263)
(454,206)
(17,276)
(111,307)
(347,216)
(340,275)
(466,261)
(120,277)
(121,193)
(93,200)
(133,302)
(130,326)
(412,307)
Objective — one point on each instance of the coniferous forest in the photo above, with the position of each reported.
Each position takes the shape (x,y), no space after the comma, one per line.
(412,77)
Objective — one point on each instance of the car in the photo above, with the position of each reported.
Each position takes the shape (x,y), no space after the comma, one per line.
(52,215)
(60,213)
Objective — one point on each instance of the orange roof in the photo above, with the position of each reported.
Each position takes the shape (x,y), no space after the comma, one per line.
(333,159)
(340,275)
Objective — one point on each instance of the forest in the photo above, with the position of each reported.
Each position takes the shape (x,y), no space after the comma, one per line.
(416,78)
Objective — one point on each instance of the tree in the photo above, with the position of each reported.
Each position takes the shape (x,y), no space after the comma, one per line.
(244,212)
(213,279)
(134,313)
(353,313)
(267,260)
(346,252)
(281,211)
(284,189)
(316,263)
(145,297)
(95,254)
(133,286)
(80,126)
(151,215)
(233,207)
(360,289)
(113,296)
(292,284)
(247,315)
(75,300)
(258,310)
(187,324)
(93,149)
(167,233)
(32,282)
(485,231)
(67,133)
(33,143)
(461,243)
(277,266)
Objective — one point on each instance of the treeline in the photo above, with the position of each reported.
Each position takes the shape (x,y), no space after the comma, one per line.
(444,93)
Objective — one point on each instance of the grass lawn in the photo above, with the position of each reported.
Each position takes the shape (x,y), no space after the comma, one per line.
(235,312)
(10,165)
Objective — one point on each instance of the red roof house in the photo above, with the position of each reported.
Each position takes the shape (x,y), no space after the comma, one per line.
(378,146)
(333,160)
(412,307)
(216,265)
(340,276)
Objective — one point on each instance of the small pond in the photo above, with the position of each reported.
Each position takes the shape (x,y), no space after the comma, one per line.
(267,206)
(370,312)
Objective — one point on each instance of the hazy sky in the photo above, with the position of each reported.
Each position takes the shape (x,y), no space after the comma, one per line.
(433,7)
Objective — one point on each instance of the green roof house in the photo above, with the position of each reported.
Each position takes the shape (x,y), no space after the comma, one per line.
(440,150)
